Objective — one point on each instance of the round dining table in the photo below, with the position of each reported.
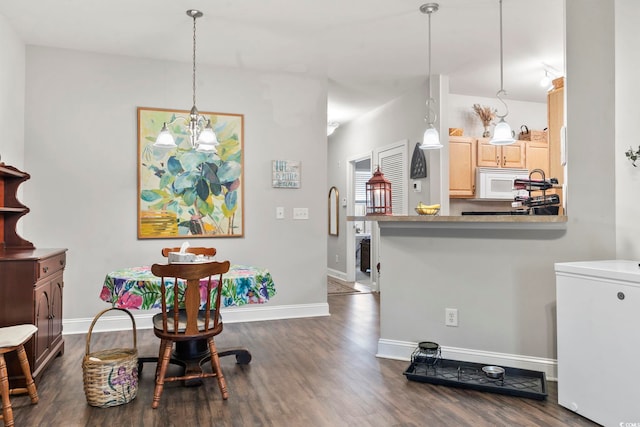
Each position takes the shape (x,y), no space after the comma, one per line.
(139,289)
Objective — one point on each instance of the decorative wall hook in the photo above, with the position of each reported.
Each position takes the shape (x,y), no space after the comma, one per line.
(633,155)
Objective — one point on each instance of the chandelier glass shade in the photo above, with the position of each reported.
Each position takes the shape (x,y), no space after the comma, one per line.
(202,137)
(502,134)
(430,139)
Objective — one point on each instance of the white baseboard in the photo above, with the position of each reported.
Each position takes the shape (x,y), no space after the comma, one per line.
(337,274)
(250,313)
(401,350)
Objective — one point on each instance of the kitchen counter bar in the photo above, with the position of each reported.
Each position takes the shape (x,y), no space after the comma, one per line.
(522,222)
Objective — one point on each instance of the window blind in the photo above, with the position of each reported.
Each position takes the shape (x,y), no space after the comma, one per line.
(361,186)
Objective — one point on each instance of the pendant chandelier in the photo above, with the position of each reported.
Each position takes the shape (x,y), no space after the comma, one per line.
(431,139)
(502,134)
(201,134)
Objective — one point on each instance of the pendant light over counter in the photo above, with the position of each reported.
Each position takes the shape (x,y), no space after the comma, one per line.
(431,139)
(502,133)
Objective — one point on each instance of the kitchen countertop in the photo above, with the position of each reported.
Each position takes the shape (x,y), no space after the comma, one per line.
(466,221)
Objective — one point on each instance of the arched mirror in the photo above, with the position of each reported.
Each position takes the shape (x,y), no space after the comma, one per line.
(334,215)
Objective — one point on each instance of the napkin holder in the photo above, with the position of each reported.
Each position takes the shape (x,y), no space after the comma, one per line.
(181,257)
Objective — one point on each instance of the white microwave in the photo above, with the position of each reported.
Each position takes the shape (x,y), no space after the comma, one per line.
(493,183)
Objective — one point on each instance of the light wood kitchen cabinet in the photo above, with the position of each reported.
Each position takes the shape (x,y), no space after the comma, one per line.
(501,156)
(536,155)
(555,113)
(462,167)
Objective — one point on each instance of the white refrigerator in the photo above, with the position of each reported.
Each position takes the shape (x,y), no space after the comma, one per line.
(598,338)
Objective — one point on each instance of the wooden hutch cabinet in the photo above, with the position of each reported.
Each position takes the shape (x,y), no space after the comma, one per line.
(31,281)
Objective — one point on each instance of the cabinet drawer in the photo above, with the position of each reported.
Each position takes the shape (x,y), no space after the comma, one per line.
(48,266)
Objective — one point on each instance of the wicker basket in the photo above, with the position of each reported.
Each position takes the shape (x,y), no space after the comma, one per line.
(532,135)
(110,376)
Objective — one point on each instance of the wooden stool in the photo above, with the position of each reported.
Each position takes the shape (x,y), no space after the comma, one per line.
(12,338)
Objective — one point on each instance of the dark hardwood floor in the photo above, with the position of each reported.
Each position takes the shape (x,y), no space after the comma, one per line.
(305,372)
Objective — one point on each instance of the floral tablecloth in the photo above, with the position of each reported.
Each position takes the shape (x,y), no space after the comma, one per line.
(138,288)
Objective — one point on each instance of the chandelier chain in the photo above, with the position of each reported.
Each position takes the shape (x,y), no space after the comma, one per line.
(194,60)
(198,127)
(429,59)
(501,47)
(429,9)
(502,92)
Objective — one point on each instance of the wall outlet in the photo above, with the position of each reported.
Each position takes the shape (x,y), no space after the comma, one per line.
(451,316)
(300,213)
(337,258)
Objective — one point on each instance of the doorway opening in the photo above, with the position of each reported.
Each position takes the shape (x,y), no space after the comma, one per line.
(358,237)
(362,174)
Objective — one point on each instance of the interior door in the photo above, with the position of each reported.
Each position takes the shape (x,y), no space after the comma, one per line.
(394,164)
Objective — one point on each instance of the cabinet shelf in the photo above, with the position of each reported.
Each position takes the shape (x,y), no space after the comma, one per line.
(10,171)
(11,210)
(14,210)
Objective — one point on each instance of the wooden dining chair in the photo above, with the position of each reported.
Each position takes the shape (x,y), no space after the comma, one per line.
(12,338)
(189,323)
(191,250)
(197,250)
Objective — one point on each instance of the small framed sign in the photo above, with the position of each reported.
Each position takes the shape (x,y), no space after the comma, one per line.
(285,174)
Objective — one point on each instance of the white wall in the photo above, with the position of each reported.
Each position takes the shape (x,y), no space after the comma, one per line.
(627,112)
(461,114)
(12,58)
(502,281)
(81,151)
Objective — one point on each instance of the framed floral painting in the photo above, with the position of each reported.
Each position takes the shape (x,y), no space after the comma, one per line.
(184,193)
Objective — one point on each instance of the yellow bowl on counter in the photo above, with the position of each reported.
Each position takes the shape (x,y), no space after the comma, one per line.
(427,211)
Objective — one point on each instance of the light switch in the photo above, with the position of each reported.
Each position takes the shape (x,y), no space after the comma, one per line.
(279,212)
(300,213)
(417,186)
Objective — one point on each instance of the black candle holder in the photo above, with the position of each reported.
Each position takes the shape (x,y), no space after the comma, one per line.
(427,353)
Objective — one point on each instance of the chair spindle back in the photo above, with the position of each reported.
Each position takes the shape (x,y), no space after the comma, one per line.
(192,274)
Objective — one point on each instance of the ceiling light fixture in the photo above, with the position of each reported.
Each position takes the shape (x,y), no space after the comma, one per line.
(201,134)
(431,139)
(502,134)
(331,127)
(550,74)
(545,82)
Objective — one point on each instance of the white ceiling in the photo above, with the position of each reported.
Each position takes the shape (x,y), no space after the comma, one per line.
(371,50)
